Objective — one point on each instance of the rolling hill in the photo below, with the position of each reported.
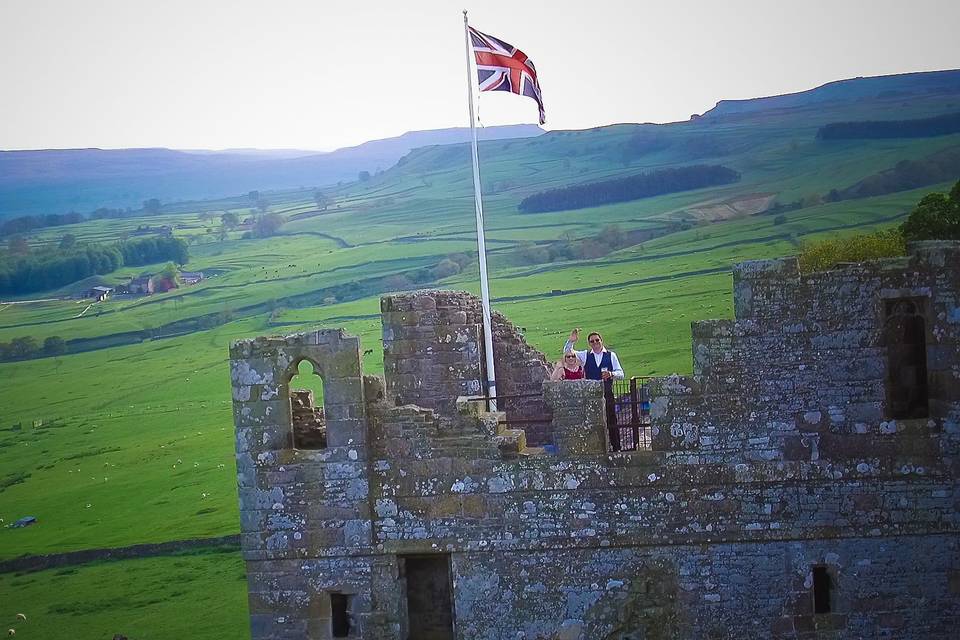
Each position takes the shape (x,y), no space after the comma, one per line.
(128,437)
(60,180)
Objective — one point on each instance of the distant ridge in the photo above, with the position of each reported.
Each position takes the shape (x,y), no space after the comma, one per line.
(61,180)
(902,84)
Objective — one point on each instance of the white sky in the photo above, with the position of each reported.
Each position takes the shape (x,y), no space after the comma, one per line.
(317,74)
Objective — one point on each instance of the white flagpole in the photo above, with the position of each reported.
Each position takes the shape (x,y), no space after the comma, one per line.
(481,246)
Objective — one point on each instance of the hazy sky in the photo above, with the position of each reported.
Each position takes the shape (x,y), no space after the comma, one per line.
(318,74)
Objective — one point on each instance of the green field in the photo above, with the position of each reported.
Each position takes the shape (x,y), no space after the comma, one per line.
(131,440)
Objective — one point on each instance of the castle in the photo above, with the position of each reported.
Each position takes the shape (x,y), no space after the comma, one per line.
(802,483)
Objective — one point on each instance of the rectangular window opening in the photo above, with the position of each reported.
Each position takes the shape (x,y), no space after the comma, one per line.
(905,336)
(822,587)
(340,615)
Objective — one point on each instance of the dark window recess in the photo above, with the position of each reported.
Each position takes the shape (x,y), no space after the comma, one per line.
(905,335)
(822,586)
(429,602)
(340,618)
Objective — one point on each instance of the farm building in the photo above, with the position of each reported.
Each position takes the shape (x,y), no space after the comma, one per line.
(802,483)
(191,277)
(141,285)
(99,293)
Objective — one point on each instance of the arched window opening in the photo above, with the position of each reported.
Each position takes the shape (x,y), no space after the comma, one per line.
(906,340)
(306,408)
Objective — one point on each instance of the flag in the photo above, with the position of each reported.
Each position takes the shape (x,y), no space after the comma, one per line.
(503,67)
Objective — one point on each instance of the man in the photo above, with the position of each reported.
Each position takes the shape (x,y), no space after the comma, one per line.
(600,364)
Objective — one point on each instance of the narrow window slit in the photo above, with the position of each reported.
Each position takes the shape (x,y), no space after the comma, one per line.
(339,615)
(822,587)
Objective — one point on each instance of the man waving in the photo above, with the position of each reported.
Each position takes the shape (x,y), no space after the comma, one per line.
(600,364)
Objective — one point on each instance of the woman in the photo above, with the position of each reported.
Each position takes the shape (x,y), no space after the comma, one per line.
(569,368)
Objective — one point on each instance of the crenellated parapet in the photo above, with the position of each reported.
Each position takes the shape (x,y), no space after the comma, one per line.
(803,482)
(854,362)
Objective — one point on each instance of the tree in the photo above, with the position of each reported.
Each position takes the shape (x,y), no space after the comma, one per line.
(397,282)
(936,217)
(67,241)
(178,251)
(54,346)
(611,235)
(445,268)
(169,272)
(363,176)
(321,199)
(24,347)
(268,224)
(230,220)
(531,253)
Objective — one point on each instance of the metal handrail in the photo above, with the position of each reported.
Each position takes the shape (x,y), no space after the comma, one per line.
(635,396)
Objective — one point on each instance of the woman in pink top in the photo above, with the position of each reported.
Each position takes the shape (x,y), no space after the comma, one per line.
(569,368)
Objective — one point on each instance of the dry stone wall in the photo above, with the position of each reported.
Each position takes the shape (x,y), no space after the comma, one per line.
(779,500)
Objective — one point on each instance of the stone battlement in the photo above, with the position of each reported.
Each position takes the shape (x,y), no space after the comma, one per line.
(802,483)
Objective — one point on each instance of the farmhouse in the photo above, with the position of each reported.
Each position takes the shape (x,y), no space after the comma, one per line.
(99,293)
(141,285)
(191,277)
(802,483)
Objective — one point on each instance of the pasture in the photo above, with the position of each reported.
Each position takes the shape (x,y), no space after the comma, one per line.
(131,440)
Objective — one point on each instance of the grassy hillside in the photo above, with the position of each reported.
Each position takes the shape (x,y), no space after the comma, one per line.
(131,440)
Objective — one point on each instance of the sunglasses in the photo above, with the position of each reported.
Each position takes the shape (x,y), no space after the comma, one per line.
(570,357)
(595,341)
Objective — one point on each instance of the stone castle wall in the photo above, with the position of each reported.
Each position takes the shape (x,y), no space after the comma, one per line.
(433,353)
(776,462)
(801,373)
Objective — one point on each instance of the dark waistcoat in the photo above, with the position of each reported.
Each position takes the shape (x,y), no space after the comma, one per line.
(591,369)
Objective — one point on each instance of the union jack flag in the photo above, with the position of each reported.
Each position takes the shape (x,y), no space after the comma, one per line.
(503,67)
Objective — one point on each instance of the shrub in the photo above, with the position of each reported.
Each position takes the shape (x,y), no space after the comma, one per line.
(445,268)
(820,255)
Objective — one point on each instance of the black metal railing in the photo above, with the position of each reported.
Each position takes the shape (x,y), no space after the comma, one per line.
(632,407)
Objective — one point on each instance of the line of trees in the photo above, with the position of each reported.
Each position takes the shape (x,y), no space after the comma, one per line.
(878,129)
(26,347)
(448,266)
(907,174)
(644,185)
(39,272)
(23,224)
(567,247)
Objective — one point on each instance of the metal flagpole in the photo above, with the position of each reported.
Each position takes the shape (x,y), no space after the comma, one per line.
(481,246)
